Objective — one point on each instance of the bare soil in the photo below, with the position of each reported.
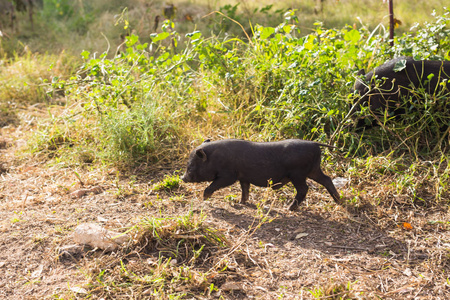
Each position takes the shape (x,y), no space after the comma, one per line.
(322,250)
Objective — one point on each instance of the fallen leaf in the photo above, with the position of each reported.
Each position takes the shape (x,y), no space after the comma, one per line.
(407,226)
(340,182)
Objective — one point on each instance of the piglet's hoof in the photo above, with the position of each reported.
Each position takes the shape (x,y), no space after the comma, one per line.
(293,206)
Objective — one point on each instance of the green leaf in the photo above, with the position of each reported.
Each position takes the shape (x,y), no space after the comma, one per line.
(352,36)
(287,28)
(85,54)
(194,35)
(131,40)
(161,36)
(400,65)
(309,44)
(266,32)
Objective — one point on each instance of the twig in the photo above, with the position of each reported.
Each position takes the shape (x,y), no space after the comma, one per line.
(223,15)
(376,237)
(440,142)
(370,219)
(248,254)
(349,247)
(332,296)
(402,288)
(270,271)
(421,288)
(391,132)
(381,281)
(341,123)
(409,252)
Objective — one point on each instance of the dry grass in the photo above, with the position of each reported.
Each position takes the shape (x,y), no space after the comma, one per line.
(91,21)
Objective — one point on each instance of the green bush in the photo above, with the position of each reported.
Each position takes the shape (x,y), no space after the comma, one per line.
(278,84)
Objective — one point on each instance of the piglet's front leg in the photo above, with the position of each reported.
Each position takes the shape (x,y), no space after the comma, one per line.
(217,184)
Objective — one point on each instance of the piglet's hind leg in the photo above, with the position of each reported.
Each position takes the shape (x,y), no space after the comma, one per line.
(245,191)
(302,189)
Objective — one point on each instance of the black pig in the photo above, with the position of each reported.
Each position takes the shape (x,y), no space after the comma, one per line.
(398,77)
(262,164)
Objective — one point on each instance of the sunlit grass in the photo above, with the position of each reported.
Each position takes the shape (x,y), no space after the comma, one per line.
(93,25)
(27,77)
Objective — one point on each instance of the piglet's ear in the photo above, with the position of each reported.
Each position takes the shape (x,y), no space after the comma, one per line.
(200,153)
(361,72)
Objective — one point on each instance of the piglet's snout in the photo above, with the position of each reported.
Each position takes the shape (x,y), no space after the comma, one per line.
(186,178)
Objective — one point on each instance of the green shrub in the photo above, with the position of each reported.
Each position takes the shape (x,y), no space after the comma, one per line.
(151,97)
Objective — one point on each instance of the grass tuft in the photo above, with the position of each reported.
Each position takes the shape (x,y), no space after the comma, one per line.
(168,183)
(170,258)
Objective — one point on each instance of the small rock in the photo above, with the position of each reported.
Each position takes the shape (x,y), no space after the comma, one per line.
(78,194)
(81,192)
(300,235)
(407,272)
(98,237)
(37,273)
(173,262)
(78,290)
(101,219)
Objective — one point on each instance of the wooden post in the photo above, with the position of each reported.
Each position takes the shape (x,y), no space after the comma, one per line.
(391,21)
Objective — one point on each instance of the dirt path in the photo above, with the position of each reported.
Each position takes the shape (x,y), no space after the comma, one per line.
(319,251)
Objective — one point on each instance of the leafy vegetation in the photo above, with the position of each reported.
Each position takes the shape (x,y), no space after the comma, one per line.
(150,98)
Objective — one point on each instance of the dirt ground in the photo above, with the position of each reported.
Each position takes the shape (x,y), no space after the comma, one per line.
(321,251)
